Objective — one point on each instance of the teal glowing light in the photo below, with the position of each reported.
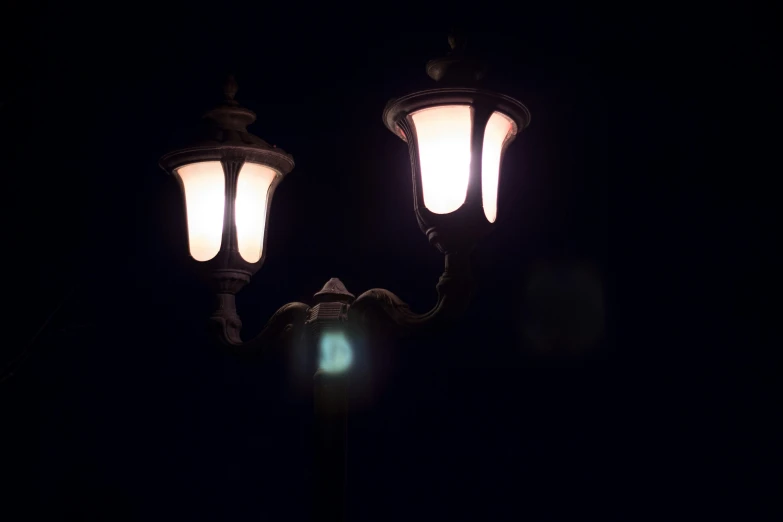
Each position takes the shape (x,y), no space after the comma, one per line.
(336,353)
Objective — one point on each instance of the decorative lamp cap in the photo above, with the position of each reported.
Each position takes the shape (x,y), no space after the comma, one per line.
(229,115)
(224,132)
(334,290)
(458,66)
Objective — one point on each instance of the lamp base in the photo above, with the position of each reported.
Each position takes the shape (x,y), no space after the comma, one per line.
(228,281)
(226,284)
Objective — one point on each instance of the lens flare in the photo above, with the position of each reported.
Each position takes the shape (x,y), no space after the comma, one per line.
(336,353)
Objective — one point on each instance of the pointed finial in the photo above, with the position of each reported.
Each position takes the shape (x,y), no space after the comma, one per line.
(228,114)
(458,67)
(230,87)
(334,290)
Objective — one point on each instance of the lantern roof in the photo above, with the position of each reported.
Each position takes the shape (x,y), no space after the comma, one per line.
(458,75)
(223,134)
(458,66)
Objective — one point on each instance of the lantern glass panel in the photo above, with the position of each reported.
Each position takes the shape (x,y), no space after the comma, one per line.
(499,128)
(443,135)
(204,187)
(251,209)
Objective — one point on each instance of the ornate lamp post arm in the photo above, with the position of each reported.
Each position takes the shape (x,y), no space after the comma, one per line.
(225,324)
(454,291)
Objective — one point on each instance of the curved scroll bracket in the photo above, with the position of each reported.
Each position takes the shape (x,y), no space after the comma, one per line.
(225,324)
(377,305)
(454,291)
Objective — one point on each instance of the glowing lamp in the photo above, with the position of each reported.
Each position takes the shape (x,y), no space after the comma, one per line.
(456,137)
(228,177)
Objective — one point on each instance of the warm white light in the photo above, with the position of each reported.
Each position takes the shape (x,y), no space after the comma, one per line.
(443,135)
(250,209)
(497,130)
(205,197)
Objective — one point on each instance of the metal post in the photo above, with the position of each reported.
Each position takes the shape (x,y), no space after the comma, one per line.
(330,398)
(326,332)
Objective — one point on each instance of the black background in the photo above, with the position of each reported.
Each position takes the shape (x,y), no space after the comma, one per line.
(121,409)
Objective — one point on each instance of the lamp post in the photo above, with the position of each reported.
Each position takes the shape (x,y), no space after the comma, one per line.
(456,133)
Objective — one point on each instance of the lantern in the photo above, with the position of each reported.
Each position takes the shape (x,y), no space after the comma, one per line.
(228,177)
(456,137)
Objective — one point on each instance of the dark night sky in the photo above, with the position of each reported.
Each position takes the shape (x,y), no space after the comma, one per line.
(125,411)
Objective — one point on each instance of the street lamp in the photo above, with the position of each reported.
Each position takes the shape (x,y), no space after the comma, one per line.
(456,134)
